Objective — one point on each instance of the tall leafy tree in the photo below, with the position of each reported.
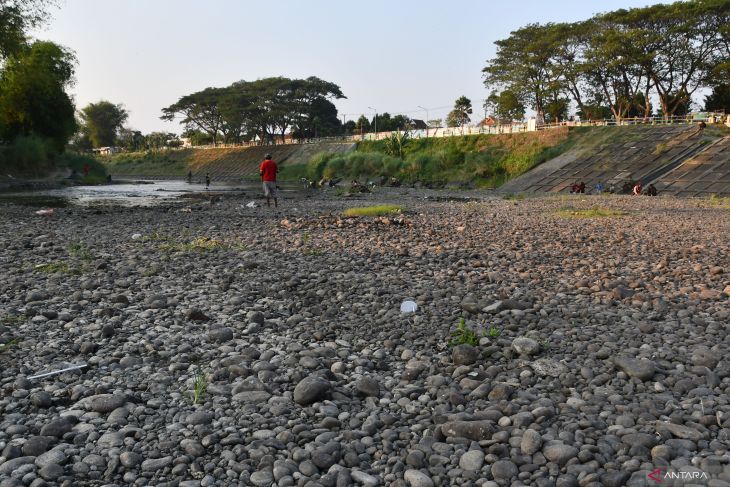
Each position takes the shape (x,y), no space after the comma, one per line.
(265,109)
(506,105)
(677,46)
(17,17)
(33,98)
(525,64)
(719,99)
(362,125)
(102,122)
(200,110)
(131,140)
(459,116)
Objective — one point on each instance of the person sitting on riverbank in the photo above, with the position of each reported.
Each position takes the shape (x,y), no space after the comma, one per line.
(190,177)
(207,180)
(637,188)
(650,190)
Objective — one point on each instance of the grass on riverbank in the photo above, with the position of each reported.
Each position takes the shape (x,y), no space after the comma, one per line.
(377,210)
(149,163)
(485,160)
(720,201)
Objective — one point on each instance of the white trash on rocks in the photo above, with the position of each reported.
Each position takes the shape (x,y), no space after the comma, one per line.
(251,204)
(136,236)
(408,306)
(56,372)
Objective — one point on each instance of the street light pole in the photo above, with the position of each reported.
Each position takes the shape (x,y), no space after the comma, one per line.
(426,109)
(376,121)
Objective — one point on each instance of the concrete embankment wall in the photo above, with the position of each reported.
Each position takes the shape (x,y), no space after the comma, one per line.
(706,173)
(613,156)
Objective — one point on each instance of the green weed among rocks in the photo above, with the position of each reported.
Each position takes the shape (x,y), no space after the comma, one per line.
(307,247)
(4,347)
(494,332)
(200,386)
(202,244)
(152,271)
(463,335)
(79,250)
(13,320)
(56,268)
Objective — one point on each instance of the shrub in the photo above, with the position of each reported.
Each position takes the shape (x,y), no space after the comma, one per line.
(316,165)
(76,162)
(29,155)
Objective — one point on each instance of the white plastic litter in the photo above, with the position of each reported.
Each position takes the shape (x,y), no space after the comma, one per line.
(251,204)
(45,211)
(408,307)
(136,236)
(55,372)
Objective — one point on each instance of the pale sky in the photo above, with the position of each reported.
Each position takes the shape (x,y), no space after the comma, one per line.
(391,55)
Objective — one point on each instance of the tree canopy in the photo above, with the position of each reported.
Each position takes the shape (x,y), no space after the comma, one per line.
(17,17)
(459,116)
(102,122)
(261,110)
(618,60)
(33,98)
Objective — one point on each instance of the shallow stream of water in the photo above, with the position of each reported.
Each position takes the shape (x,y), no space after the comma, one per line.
(132,193)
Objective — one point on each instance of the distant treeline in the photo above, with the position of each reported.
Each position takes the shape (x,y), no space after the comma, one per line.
(260,110)
(615,63)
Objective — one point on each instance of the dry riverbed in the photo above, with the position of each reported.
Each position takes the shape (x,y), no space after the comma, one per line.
(226,345)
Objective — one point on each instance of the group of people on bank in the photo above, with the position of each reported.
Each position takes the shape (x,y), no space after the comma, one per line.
(636,189)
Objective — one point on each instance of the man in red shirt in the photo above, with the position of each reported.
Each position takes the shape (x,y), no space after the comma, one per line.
(268,172)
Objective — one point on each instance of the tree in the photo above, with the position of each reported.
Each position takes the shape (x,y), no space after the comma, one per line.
(556,108)
(102,121)
(525,65)
(162,140)
(33,100)
(676,45)
(200,110)
(362,125)
(719,99)
(401,122)
(349,127)
(263,109)
(197,137)
(131,140)
(459,116)
(505,105)
(619,60)
(17,17)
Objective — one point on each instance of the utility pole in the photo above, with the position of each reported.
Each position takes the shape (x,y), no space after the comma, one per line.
(376,121)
